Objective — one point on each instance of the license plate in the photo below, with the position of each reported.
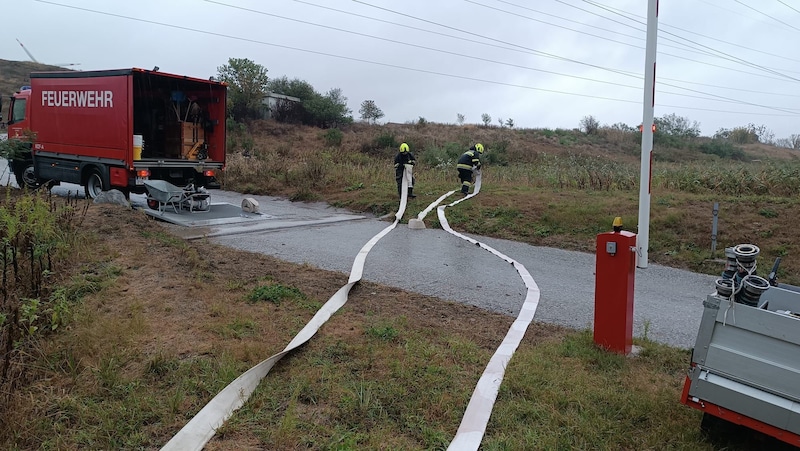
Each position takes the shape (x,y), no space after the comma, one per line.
(140,180)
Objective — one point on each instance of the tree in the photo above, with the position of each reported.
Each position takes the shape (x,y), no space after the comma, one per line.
(329,110)
(510,123)
(677,126)
(749,134)
(369,111)
(292,112)
(501,122)
(460,118)
(623,127)
(294,87)
(486,119)
(247,86)
(589,125)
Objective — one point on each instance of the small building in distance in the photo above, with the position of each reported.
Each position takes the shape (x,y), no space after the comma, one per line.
(276,106)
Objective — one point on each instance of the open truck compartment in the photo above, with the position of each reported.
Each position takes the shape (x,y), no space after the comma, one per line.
(177,118)
(745,365)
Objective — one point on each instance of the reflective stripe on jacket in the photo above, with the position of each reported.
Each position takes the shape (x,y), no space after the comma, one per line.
(469,160)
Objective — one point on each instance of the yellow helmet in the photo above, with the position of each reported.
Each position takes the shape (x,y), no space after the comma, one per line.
(479,147)
(403,148)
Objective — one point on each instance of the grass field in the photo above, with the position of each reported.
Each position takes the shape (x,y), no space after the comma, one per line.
(149,327)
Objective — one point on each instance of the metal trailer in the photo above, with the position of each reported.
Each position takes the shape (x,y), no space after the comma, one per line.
(745,365)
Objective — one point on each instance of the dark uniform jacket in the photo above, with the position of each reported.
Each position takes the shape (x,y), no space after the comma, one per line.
(469,159)
(401,159)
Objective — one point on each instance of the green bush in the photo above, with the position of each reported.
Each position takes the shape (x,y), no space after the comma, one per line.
(436,157)
(497,153)
(722,149)
(239,138)
(15,148)
(386,140)
(333,137)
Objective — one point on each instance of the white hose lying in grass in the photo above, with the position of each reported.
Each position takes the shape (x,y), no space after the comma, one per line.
(476,417)
(202,427)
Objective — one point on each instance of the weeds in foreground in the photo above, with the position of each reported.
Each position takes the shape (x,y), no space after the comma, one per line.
(37,233)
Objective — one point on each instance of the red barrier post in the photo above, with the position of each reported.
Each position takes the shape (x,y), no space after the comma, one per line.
(613,290)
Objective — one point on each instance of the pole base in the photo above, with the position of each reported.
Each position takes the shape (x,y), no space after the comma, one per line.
(416,224)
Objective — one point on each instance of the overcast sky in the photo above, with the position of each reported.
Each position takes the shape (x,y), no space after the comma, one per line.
(544,63)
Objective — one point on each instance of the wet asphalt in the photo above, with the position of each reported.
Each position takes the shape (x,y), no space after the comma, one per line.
(667,301)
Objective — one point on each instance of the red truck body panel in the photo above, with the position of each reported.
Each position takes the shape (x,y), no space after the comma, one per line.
(83,116)
(84,125)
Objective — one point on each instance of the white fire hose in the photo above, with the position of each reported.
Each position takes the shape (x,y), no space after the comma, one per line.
(200,429)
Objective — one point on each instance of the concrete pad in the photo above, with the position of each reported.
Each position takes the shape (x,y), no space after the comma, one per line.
(217,214)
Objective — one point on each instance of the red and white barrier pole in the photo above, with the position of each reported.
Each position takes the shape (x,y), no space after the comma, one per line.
(646,175)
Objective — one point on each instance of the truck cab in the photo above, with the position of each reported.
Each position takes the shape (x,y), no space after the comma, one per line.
(18,123)
(18,113)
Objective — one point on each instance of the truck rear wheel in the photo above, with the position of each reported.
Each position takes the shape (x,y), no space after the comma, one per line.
(94,184)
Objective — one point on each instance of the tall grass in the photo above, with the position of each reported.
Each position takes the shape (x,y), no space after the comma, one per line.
(37,233)
(316,167)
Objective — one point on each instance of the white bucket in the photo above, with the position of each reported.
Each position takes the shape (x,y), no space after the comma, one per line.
(138,141)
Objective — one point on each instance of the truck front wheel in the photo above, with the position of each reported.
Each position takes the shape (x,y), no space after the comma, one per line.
(94,184)
(26,175)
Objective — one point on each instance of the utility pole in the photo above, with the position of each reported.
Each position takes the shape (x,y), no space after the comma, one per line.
(646,175)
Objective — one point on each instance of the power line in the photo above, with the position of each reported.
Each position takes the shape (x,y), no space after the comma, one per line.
(780,94)
(735,58)
(432,49)
(710,95)
(767,15)
(732,11)
(394,66)
(537,52)
(722,98)
(788,6)
(684,47)
(637,29)
(660,24)
(411,27)
(316,52)
(618,71)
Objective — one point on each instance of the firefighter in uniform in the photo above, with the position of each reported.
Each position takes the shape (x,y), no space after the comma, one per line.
(404,157)
(467,163)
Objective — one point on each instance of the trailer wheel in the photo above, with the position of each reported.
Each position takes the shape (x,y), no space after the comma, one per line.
(94,184)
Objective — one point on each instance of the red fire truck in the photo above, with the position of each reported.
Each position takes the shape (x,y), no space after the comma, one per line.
(117,129)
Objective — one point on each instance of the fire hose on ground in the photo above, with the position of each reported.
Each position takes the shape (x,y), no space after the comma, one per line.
(202,427)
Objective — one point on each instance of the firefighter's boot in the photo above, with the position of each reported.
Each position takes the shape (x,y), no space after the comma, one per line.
(411,193)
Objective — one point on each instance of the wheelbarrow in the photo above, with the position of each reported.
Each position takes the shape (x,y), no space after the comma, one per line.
(162,195)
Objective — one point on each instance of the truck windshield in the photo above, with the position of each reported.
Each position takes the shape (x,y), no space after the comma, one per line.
(17,111)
